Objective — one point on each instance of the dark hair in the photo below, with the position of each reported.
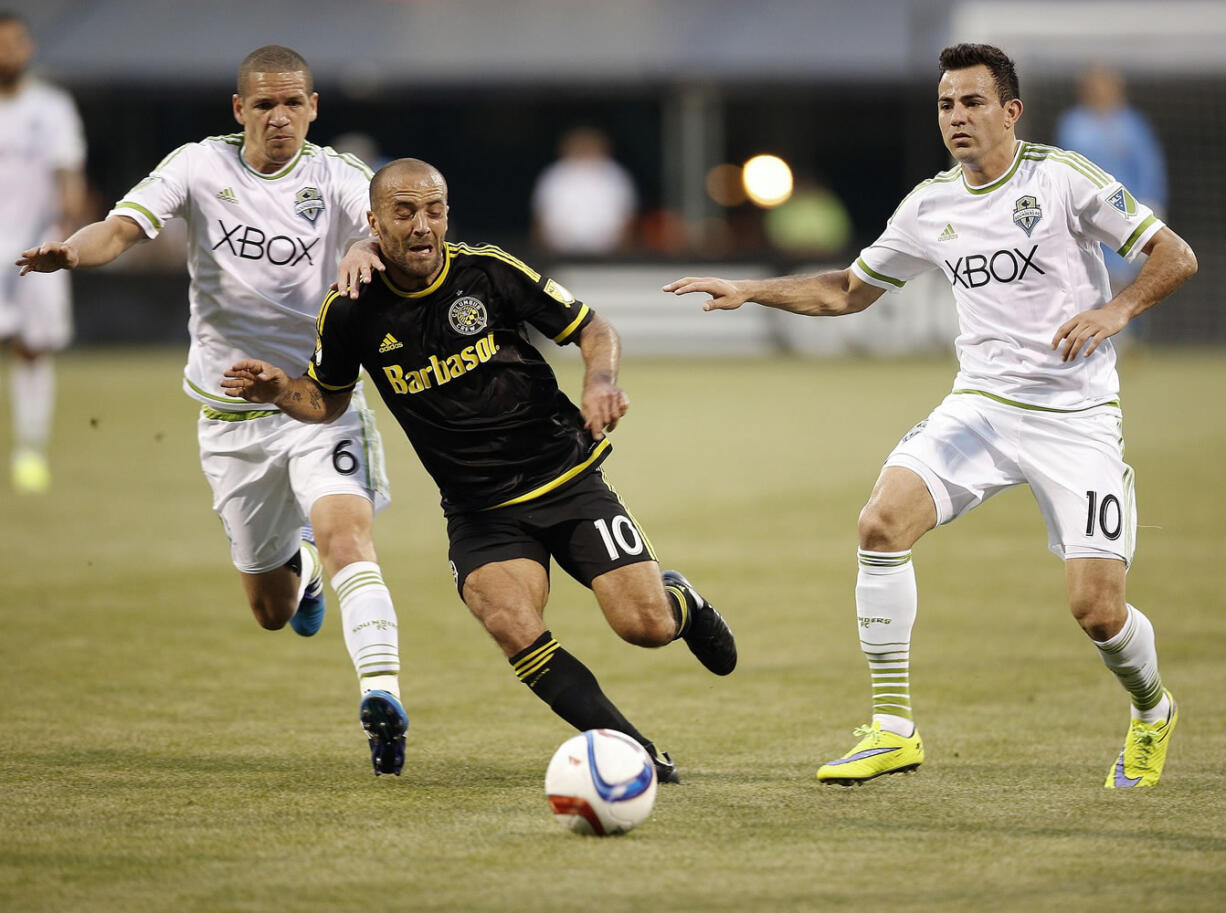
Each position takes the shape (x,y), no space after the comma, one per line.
(964,56)
(273,58)
(13,16)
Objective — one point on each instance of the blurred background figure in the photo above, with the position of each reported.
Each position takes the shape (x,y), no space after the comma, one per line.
(42,192)
(363,145)
(812,224)
(1108,131)
(585,202)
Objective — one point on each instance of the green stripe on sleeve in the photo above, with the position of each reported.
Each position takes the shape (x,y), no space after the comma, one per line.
(880,277)
(153,220)
(1132,239)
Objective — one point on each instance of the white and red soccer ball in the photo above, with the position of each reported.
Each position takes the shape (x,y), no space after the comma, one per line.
(601,782)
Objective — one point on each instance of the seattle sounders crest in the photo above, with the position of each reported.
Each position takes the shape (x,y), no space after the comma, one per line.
(309,203)
(1026,213)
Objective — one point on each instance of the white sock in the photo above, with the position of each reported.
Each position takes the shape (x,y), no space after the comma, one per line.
(886,604)
(310,566)
(369,621)
(33,398)
(1133,656)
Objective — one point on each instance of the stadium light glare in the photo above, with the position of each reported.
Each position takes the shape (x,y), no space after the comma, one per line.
(767,180)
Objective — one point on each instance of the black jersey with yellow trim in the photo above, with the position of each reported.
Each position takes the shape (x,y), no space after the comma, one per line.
(454,364)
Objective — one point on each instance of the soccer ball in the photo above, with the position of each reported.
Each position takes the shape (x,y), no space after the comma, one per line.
(601,782)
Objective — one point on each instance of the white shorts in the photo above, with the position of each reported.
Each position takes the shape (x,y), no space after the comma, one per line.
(37,309)
(972,447)
(267,472)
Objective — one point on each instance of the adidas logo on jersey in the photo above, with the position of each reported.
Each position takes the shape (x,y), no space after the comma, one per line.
(948,234)
(390,342)
(227,196)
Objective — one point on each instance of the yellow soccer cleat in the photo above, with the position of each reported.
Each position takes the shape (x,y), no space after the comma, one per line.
(31,474)
(1144,754)
(878,752)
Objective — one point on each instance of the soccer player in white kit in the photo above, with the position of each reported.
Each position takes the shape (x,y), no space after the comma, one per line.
(42,189)
(1016,228)
(269,216)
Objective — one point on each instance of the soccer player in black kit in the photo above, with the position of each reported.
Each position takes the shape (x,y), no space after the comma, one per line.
(440,333)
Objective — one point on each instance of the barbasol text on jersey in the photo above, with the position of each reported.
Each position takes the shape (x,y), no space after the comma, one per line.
(446,369)
(251,243)
(976,270)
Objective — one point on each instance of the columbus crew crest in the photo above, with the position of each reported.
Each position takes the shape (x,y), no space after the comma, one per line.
(309,203)
(1026,214)
(467,316)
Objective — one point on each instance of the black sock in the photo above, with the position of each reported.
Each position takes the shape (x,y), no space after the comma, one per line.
(570,689)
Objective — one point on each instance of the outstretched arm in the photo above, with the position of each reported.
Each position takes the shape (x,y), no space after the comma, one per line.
(827,294)
(603,402)
(1170,264)
(93,245)
(298,397)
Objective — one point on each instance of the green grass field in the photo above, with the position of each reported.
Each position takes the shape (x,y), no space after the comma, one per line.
(160,752)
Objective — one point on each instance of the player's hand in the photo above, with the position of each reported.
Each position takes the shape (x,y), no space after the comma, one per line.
(47,258)
(602,406)
(255,381)
(1087,330)
(358,267)
(725,294)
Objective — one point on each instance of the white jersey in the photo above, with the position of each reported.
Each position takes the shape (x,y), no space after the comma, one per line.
(1022,256)
(262,250)
(40,134)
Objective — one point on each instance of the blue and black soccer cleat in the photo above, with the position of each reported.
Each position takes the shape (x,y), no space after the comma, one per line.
(385,723)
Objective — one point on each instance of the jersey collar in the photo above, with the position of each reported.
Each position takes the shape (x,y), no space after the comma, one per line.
(1000,181)
(278,174)
(429,289)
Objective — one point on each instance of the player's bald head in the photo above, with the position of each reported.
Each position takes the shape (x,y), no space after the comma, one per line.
(273,58)
(405,173)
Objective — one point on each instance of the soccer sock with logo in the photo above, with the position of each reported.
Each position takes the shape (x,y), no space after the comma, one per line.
(1133,656)
(369,621)
(886,603)
(33,401)
(569,688)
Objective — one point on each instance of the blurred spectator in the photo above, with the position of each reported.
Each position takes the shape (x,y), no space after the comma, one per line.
(363,145)
(811,224)
(42,190)
(1118,138)
(584,203)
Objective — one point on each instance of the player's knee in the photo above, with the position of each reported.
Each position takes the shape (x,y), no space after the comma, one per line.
(1100,615)
(270,614)
(342,546)
(646,625)
(882,529)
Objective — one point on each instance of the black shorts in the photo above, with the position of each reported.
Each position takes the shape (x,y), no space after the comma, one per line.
(583,525)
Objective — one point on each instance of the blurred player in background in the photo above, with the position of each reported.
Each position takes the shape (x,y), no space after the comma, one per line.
(584,203)
(42,189)
(269,216)
(517,463)
(1118,138)
(1016,228)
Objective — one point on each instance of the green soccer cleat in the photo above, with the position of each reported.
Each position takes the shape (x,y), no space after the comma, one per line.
(30,473)
(878,752)
(1144,754)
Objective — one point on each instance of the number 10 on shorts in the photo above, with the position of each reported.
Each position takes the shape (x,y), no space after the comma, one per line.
(1107,516)
(619,534)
